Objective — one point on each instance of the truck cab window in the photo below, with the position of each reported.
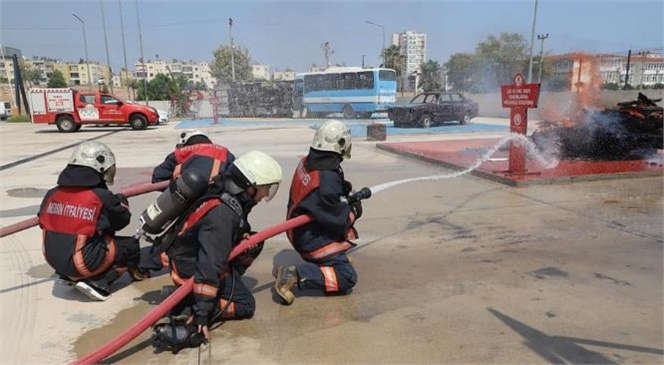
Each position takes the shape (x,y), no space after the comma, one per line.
(87,99)
(106,100)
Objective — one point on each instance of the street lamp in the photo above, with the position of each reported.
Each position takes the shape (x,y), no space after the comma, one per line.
(541,37)
(85,43)
(382,51)
(108,57)
(532,40)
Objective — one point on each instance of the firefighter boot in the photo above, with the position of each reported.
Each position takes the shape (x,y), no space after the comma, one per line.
(287,277)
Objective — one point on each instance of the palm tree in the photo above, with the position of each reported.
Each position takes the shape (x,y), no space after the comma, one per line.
(395,60)
(431,80)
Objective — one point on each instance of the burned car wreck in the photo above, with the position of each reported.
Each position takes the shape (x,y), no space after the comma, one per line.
(433,108)
(632,129)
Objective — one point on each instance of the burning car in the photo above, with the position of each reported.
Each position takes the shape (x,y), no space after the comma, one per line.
(433,108)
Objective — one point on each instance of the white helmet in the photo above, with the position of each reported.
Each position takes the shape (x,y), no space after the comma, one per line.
(97,156)
(258,168)
(333,136)
(184,136)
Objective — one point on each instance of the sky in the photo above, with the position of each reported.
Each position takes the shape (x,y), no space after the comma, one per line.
(289,34)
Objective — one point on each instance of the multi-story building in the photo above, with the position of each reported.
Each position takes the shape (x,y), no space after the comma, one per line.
(74,73)
(579,68)
(194,72)
(260,72)
(283,76)
(413,45)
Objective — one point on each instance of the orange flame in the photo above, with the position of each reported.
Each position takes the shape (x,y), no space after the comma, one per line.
(585,85)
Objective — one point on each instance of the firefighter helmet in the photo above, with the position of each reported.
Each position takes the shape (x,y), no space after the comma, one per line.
(256,168)
(184,136)
(333,136)
(97,156)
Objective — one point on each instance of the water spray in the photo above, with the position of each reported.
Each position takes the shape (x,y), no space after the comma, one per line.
(531,148)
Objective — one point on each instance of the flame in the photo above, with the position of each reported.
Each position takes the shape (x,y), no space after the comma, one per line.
(586,81)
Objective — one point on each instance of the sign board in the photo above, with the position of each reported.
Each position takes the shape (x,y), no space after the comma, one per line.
(520,94)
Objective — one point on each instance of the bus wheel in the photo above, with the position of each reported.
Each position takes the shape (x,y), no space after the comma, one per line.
(348,112)
(365,115)
(66,124)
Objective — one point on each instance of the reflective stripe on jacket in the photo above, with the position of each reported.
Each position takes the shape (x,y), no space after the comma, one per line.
(71,244)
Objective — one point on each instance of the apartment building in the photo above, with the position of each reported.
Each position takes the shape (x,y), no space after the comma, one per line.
(260,72)
(193,71)
(74,73)
(645,69)
(413,45)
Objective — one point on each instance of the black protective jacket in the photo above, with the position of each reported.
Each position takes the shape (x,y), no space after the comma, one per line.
(202,250)
(59,249)
(330,213)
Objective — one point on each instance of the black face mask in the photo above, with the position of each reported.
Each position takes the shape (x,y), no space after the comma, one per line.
(175,336)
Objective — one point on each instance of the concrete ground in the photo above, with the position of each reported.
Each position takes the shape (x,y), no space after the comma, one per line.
(460,270)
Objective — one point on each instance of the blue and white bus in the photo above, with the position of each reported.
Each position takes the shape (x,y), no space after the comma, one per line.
(353,91)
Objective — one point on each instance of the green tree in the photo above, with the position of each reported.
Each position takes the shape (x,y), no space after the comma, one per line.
(431,80)
(31,74)
(160,88)
(461,71)
(394,60)
(499,59)
(221,67)
(57,80)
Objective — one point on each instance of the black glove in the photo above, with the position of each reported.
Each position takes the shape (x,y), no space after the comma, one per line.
(347,187)
(356,208)
(122,199)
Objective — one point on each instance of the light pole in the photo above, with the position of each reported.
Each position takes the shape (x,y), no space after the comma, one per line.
(532,40)
(382,51)
(230,34)
(140,41)
(108,57)
(85,44)
(541,37)
(124,50)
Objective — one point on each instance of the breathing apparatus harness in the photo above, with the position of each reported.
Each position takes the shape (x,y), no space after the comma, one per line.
(160,224)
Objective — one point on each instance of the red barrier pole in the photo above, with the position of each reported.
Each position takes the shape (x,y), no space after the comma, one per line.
(129,191)
(162,309)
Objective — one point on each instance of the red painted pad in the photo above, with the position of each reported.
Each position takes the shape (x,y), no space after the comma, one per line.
(461,154)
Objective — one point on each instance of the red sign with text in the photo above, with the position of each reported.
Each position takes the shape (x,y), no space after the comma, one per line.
(520,94)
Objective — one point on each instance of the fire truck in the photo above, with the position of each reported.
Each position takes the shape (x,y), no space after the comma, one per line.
(69,109)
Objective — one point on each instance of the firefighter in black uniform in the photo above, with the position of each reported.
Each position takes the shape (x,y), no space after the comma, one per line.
(79,218)
(193,150)
(208,235)
(320,190)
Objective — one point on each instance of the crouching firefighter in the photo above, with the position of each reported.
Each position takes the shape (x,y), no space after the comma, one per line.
(202,242)
(320,190)
(193,150)
(79,218)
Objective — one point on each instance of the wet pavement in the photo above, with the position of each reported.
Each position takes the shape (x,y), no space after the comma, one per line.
(459,270)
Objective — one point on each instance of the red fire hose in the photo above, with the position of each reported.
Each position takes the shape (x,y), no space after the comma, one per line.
(129,191)
(162,309)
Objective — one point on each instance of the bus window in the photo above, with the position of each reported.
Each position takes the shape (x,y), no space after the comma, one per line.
(366,80)
(385,75)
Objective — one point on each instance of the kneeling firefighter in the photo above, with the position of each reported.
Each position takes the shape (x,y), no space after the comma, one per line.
(319,189)
(79,218)
(202,242)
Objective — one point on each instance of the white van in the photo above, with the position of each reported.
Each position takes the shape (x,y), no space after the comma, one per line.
(5,110)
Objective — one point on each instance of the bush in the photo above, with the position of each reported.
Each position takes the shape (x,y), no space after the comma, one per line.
(19,119)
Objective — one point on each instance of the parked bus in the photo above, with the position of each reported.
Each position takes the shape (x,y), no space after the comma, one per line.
(353,91)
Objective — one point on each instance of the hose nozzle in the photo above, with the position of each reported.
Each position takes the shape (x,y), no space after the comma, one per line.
(364,193)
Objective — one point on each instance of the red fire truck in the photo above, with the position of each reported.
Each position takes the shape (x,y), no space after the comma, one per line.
(69,109)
